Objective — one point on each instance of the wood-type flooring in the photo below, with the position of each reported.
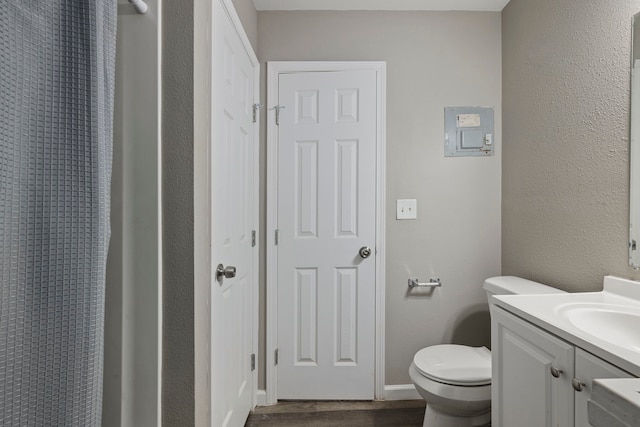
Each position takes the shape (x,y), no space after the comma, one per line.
(398,413)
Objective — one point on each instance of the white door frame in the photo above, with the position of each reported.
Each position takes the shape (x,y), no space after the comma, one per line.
(273,70)
(204,268)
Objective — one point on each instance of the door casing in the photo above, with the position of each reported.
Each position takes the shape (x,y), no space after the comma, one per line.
(275,68)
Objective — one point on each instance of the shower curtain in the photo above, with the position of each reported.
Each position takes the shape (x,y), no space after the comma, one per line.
(56,107)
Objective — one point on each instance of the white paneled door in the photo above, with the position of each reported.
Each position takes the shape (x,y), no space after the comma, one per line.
(233,207)
(326,235)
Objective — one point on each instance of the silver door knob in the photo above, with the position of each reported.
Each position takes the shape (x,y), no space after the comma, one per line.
(365,252)
(228,272)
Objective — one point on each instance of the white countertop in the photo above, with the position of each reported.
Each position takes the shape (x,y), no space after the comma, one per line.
(546,311)
(615,401)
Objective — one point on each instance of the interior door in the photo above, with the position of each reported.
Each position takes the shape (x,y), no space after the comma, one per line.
(326,234)
(233,214)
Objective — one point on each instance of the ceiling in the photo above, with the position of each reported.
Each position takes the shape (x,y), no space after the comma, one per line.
(474,5)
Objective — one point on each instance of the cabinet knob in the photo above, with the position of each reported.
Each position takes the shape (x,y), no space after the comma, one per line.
(555,372)
(577,384)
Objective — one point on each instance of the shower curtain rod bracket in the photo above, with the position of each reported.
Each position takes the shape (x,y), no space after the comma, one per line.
(139,5)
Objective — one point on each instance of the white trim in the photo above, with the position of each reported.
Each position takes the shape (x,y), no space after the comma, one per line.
(261,398)
(411,5)
(272,254)
(274,68)
(381,197)
(401,392)
(256,225)
(391,392)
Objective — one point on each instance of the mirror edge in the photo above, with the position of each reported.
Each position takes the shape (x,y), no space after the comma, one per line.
(634,149)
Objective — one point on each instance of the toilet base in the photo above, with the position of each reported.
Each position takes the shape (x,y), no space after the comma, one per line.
(435,418)
(451,405)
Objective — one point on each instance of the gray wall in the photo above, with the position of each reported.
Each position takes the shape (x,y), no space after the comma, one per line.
(249,19)
(434,59)
(566,140)
(132,344)
(178,406)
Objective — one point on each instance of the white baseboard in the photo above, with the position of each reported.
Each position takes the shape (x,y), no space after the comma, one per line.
(401,392)
(391,392)
(261,398)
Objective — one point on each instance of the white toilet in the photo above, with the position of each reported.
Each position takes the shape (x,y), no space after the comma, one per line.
(455,380)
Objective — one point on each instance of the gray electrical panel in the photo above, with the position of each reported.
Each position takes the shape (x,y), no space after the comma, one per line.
(468,131)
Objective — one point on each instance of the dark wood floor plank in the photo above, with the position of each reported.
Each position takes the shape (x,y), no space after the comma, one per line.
(339,414)
(336,405)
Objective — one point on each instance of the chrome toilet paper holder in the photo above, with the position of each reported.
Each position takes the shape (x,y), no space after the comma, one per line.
(432,283)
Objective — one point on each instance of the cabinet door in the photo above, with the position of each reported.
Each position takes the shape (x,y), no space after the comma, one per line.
(587,368)
(524,391)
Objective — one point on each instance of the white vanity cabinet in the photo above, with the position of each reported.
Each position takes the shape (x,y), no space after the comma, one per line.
(587,368)
(539,379)
(524,392)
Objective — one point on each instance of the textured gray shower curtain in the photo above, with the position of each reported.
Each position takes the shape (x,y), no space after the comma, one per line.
(56,108)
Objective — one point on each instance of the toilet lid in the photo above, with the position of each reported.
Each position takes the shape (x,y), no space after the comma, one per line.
(455,364)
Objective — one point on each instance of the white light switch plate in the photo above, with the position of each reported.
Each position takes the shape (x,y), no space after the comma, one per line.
(406,209)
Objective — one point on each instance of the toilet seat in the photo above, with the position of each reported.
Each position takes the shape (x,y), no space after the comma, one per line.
(455,364)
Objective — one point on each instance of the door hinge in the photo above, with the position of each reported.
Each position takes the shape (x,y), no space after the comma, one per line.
(276,236)
(277,108)
(275,357)
(253,362)
(253,238)
(256,107)
(632,245)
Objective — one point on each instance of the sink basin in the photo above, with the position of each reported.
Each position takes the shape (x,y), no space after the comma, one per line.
(616,324)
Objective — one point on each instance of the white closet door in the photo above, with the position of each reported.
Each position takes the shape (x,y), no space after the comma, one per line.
(326,215)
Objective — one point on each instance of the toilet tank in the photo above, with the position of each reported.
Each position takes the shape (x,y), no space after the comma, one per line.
(510,285)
